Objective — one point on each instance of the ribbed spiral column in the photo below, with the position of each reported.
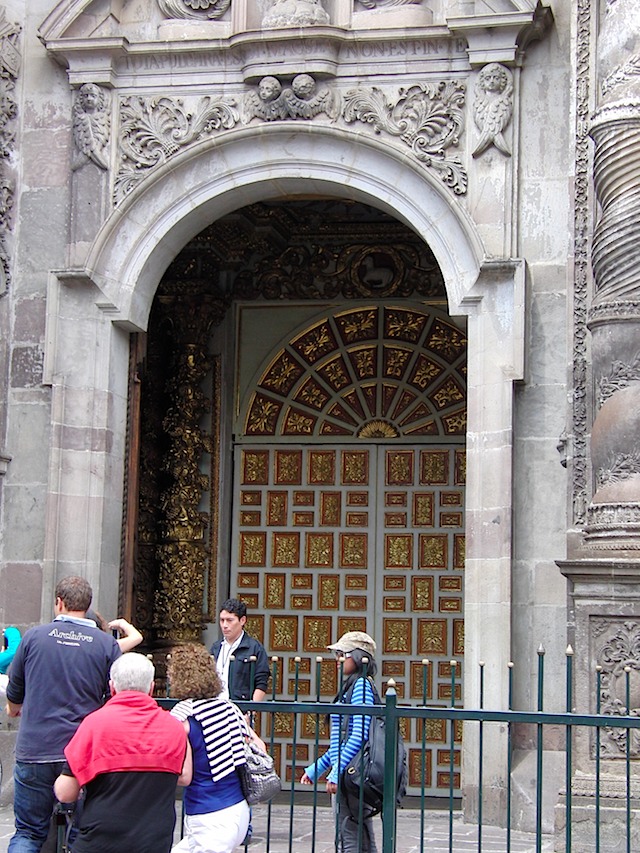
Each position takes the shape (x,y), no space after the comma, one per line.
(613,519)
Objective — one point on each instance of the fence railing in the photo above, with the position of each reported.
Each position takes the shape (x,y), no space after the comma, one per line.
(394,714)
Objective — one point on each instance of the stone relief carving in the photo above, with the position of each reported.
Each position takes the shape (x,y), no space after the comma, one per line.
(427,117)
(91,127)
(375,4)
(301,100)
(9,67)
(580,401)
(493,107)
(619,656)
(622,75)
(295,13)
(200,9)
(619,377)
(154,129)
(620,467)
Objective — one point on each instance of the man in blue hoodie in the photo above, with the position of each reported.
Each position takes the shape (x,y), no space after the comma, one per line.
(59,674)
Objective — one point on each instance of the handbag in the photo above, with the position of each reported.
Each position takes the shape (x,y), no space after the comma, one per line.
(258,777)
(363,777)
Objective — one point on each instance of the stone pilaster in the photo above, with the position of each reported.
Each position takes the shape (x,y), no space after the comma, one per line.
(604,589)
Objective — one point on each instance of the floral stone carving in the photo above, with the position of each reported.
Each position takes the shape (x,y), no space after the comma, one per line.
(154,129)
(426,117)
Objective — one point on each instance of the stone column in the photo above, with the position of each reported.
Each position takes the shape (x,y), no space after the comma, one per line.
(604,573)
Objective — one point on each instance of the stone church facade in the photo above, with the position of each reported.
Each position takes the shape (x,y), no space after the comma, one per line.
(332,305)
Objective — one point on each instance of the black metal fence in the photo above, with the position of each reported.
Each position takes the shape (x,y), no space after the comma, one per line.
(571,723)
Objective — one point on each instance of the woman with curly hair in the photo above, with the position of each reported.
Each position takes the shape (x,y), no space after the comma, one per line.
(216,812)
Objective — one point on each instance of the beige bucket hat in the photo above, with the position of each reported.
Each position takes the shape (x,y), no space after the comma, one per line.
(354,640)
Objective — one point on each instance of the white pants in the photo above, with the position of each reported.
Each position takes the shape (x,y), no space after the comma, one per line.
(215,832)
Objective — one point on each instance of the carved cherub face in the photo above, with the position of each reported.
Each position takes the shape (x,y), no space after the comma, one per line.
(269,88)
(89,97)
(303,85)
(493,78)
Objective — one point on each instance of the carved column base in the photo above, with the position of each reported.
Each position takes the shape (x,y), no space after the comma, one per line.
(604,629)
(613,815)
(613,526)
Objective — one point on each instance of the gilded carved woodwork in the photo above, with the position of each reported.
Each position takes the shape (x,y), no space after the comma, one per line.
(182,550)
(325,358)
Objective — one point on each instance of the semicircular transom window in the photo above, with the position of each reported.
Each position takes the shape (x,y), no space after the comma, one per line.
(373,372)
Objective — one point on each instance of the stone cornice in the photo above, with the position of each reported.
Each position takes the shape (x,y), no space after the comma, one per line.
(105,60)
(592,570)
(501,37)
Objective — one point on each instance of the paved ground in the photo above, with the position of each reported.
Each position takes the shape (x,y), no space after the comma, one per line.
(436,833)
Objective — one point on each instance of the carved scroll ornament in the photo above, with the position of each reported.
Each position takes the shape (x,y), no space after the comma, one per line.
(199,9)
(154,129)
(427,117)
(619,641)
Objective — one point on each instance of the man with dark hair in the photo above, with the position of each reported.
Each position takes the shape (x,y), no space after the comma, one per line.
(129,754)
(59,674)
(236,674)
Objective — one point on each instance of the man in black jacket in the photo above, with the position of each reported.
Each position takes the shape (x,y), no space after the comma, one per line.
(241,674)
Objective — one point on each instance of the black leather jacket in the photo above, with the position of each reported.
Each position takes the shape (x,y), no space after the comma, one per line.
(240,668)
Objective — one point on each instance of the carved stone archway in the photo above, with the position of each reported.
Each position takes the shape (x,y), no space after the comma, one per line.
(113,295)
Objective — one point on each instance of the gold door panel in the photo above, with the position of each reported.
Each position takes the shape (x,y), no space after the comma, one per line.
(332,539)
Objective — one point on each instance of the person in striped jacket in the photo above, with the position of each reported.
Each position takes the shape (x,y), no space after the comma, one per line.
(355,654)
(216,812)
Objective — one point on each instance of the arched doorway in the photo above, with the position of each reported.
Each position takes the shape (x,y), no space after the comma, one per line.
(303,380)
(115,292)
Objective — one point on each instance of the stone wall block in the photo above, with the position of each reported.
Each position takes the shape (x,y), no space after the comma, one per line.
(29,320)
(20,594)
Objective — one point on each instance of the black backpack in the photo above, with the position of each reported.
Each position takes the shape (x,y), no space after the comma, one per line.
(365,772)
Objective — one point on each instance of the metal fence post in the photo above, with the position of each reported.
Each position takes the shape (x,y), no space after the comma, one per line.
(391,760)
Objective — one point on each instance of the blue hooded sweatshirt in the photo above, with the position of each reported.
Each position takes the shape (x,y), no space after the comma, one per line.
(12,639)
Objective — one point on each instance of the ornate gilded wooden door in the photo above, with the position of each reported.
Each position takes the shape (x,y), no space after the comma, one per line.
(348,506)
(332,539)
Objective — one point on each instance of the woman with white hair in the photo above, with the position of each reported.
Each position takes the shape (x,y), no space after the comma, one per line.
(354,652)
(129,756)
